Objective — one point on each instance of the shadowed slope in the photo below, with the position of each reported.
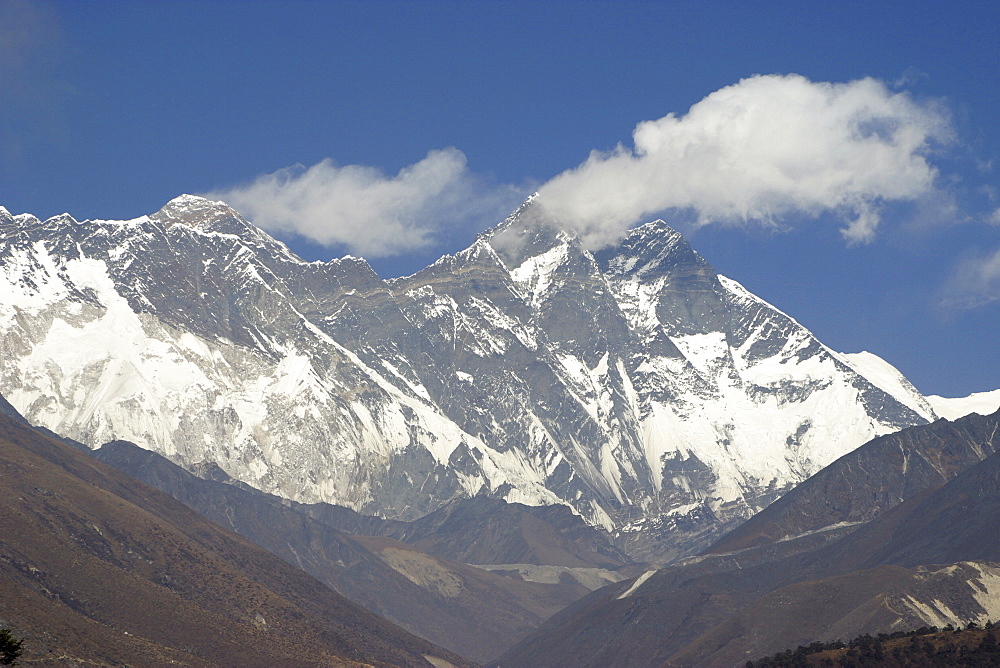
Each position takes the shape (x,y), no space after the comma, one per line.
(97,567)
(468,610)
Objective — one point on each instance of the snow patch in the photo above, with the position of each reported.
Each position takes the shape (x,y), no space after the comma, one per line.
(984,403)
(591,578)
(535,274)
(886,377)
(635,585)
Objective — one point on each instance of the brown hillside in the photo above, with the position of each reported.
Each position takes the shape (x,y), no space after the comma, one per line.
(98,568)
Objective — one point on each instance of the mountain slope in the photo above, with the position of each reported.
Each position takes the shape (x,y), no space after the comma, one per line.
(98,568)
(470,611)
(882,572)
(843,554)
(481,530)
(883,599)
(871,480)
(656,399)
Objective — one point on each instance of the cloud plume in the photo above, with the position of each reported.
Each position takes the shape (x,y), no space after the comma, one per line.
(975,282)
(757,151)
(369,212)
(761,151)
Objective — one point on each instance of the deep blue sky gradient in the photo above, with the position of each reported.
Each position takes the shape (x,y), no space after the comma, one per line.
(112,108)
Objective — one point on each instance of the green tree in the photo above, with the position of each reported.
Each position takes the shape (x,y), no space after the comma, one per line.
(10,648)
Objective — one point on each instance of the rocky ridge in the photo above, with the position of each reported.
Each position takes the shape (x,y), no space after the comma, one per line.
(655,398)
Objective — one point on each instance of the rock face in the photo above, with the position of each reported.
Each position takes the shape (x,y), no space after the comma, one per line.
(655,398)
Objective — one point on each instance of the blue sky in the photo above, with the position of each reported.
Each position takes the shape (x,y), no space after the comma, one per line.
(456,110)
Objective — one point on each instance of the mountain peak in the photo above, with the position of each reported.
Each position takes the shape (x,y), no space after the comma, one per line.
(528,232)
(194,211)
(648,250)
(8,218)
(62,218)
(216,217)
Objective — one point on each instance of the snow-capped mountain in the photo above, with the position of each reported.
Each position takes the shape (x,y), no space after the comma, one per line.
(656,398)
(952,408)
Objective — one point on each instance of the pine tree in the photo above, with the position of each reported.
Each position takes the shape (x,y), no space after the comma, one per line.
(10,648)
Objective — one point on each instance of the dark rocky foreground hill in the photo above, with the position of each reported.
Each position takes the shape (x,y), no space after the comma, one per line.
(899,534)
(97,568)
(926,646)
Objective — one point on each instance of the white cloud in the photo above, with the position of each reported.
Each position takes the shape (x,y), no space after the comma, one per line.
(754,152)
(975,283)
(757,151)
(368,212)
